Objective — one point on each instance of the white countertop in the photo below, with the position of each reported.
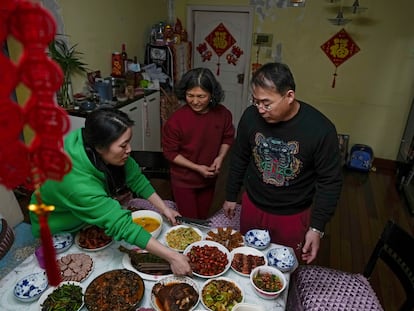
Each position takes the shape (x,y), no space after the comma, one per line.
(110,258)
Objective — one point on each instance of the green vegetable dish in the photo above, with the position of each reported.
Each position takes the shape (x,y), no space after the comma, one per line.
(67,297)
(221,295)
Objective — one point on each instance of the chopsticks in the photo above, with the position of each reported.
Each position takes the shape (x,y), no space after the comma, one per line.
(153,266)
(204,223)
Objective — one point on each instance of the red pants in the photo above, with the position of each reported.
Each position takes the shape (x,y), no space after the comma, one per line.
(194,202)
(287,230)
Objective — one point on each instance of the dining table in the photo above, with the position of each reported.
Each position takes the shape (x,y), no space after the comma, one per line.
(111,258)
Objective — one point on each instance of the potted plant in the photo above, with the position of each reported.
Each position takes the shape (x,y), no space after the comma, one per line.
(69,60)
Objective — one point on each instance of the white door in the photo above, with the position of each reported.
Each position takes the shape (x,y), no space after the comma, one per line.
(222,37)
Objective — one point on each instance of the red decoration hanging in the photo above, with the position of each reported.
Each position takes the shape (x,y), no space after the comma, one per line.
(339,49)
(45,158)
(220,40)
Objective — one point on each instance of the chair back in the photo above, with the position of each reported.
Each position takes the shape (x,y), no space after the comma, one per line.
(395,248)
(152,163)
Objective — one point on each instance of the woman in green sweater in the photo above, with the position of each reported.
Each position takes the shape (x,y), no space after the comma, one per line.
(102,172)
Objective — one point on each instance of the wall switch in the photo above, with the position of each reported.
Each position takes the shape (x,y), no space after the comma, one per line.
(263,39)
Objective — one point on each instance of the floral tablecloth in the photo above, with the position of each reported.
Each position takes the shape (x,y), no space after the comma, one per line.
(110,258)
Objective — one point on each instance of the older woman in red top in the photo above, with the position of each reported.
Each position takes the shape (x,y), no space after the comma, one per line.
(195,140)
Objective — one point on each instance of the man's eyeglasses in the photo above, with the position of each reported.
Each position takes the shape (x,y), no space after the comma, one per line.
(265,104)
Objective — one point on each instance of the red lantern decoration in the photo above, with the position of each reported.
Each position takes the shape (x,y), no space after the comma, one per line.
(45,158)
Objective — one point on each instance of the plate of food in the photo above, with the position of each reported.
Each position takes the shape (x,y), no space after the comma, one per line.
(62,241)
(208,259)
(135,260)
(31,287)
(75,267)
(175,293)
(67,296)
(92,239)
(180,236)
(226,236)
(123,290)
(221,294)
(244,259)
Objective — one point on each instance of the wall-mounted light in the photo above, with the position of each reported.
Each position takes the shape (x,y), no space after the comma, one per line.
(339,19)
(296,3)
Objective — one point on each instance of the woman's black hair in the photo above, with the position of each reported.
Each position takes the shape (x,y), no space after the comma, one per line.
(203,78)
(103,126)
(274,76)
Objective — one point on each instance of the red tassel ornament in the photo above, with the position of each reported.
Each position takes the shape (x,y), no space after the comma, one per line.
(49,253)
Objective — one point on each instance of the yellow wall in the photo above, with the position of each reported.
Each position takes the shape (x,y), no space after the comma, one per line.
(374,89)
(100,27)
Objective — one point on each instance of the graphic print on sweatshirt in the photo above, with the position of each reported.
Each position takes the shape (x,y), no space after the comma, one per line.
(276,160)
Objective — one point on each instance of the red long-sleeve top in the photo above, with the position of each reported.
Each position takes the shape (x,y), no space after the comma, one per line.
(198,138)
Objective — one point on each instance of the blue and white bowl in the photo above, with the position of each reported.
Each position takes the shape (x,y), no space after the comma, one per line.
(257,238)
(62,241)
(281,258)
(31,287)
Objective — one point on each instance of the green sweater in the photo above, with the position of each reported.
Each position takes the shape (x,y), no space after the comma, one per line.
(81,198)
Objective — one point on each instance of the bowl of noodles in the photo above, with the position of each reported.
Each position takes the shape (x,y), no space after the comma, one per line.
(180,236)
(151,221)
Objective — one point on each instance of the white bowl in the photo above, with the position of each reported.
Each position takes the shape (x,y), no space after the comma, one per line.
(214,258)
(257,238)
(274,272)
(281,258)
(216,295)
(151,214)
(31,287)
(247,307)
(175,280)
(62,241)
(184,236)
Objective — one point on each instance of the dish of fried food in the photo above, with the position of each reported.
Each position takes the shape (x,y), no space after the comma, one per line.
(92,238)
(244,259)
(226,236)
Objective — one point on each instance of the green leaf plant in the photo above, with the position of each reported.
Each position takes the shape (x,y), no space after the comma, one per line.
(70,61)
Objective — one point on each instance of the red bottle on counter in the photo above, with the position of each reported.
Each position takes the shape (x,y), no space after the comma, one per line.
(116,65)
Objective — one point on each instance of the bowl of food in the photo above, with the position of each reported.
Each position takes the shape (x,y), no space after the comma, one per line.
(226,236)
(151,221)
(31,287)
(221,294)
(244,259)
(179,237)
(91,238)
(118,289)
(282,258)
(178,292)
(268,282)
(247,307)
(66,296)
(257,238)
(208,259)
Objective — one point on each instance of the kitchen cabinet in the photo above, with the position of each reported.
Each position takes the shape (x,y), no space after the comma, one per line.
(145,112)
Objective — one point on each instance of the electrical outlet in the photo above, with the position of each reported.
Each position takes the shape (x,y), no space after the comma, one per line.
(263,39)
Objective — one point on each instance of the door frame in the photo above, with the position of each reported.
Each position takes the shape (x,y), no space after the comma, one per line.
(236,9)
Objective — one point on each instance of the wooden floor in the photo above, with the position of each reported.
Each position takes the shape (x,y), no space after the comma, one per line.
(367,202)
